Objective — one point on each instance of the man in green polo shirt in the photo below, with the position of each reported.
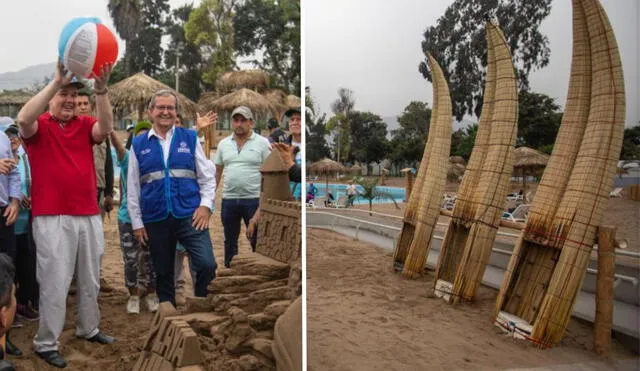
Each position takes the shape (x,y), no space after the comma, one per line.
(240,157)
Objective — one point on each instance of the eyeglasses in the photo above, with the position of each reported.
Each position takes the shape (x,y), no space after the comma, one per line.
(165,108)
(12,136)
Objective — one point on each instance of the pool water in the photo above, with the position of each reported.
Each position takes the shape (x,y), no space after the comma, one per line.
(339,190)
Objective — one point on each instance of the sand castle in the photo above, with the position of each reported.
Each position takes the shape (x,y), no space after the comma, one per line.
(252,317)
(476,216)
(423,210)
(551,256)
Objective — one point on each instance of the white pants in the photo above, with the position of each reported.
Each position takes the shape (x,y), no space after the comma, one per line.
(67,244)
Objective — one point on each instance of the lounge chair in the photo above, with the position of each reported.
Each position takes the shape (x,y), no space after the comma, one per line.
(616,192)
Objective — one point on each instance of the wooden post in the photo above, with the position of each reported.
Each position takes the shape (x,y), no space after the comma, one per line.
(409,186)
(604,288)
(634,192)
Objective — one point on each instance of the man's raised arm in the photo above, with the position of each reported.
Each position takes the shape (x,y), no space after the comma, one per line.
(36,105)
(104,126)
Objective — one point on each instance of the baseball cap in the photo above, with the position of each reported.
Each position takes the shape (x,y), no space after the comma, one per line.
(130,127)
(77,83)
(272,124)
(12,129)
(142,125)
(291,111)
(243,111)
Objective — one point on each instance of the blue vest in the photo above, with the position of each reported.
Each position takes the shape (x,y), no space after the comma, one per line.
(171,189)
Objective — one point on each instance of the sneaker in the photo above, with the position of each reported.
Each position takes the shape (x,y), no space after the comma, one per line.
(133,305)
(152,302)
(26,313)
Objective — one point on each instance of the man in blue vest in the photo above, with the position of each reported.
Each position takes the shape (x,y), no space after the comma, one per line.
(171,187)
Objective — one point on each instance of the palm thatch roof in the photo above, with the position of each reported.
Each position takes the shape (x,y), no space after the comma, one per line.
(250,79)
(277,97)
(242,97)
(291,101)
(530,158)
(326,166)
(355,168)
(138,89)
(455,171)
(457,160)
(14,98)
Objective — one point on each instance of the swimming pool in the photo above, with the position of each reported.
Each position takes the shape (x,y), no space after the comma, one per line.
(339,190)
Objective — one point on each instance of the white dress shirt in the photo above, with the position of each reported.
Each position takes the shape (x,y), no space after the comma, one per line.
(205,174)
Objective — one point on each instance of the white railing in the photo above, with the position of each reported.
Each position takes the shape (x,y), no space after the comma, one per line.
(360,222)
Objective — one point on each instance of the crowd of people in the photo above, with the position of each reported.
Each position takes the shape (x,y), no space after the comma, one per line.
(57,183)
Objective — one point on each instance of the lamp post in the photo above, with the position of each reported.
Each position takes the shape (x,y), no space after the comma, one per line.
(178,49)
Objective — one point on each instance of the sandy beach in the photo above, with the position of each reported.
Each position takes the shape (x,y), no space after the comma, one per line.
(129,330)
(362,316)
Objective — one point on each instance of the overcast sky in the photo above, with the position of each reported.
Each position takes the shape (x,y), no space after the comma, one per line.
(29,29)
(373,47)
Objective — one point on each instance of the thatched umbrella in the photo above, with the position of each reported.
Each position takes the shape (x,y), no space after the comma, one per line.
(528,160)
(355,169)
(291,101)
(14,100)
(326,167)
(14,97)
(457,160)
(256,80)
(455,171)
(277,97)
(242,97)
(138,89)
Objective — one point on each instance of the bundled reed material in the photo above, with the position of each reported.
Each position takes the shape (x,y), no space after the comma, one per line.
(411,213)
(531,264)
(458,228)
(466,250)
(583,203)
(550,260)
(435,177)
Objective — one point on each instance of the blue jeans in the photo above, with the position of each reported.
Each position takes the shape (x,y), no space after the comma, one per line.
(233,211)
(163,236)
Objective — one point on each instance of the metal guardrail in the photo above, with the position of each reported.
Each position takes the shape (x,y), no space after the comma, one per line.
(620,252)
(619,277)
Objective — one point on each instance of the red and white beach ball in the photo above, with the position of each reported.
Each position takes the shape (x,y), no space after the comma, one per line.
(85,45)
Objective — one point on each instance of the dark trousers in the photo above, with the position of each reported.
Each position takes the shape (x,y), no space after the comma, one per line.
(233,211)
(163,236)
(27,291)
(7,237)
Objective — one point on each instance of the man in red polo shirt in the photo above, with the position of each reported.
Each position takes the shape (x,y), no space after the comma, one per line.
(67,227)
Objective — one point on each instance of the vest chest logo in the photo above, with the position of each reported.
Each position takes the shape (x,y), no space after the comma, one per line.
(183,148)
(145,151)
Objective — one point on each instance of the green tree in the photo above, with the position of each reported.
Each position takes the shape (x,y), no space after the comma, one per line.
(210,27)
(339,124)
(316,145)
(631,143)
(272,27)
(457,41)
(369,142)
(370,192)
(538,120)
(409,140)
(118,73)
(126,19)
(190,59)
(465,140)
(146,48)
